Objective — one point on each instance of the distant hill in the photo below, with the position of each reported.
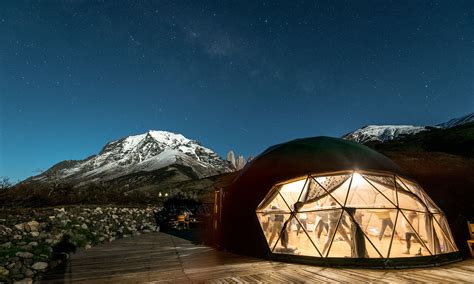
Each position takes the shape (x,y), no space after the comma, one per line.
(383,133)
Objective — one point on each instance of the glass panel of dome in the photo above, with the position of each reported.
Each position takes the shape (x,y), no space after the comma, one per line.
(431,205)
(377,225)
(317,224)
(338,243)
(385,185)
(272,226)
(385,180)
(361,245)
(323,202)
(340,192)
(444,225)
(298,239)
(362,194)
(312,191)
(273,203)
(407,242)
(419,225)
(337,185)
(408,200)
(330,182)
(292,191)
(445,244)
(400,185)
(322,234)
(272,193)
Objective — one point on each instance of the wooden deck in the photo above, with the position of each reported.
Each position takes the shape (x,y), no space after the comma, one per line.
(158,257)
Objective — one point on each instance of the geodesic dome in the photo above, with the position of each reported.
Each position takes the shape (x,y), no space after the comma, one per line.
(329,201)
(353,215)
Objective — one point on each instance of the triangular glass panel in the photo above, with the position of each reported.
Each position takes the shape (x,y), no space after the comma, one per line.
(318,227)
(401,186)
(432,207)
(409,201)
(445,226)
(312,191)
(396,246)
(291,192)
(275,202)
(336,185)
(363,195)
(377,225)
(299,240)
(322,202)
(419,226)
(445,243)
(272,224)
(330,182)
(416,189)
(406,242)
(385,185)
(341,245)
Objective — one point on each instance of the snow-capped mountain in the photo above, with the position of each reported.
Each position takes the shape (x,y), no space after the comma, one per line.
(382,133)
(458,121)
(133,154)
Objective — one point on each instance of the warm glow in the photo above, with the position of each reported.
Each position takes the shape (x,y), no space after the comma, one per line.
(293,187)
(366,219)
(357,179)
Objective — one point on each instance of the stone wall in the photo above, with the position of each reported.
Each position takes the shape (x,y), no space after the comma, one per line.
(34,240)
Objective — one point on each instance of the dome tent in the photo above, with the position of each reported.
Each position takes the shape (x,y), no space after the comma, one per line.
(330,201)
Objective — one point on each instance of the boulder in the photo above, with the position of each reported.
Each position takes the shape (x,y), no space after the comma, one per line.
(24,254)
(29,273)
(4,271)
(4,230)
(35,234)
(33,226)
(26,247)
(24,281)
(39,265)
(20,227)
(15,265)
(84,226)
(6,245)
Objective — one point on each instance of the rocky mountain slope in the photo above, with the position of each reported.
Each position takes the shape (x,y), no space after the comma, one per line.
(382,133)
(125,160)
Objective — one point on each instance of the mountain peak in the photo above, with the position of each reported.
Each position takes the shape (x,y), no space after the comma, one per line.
(458,121)
(145,152)
(384,133)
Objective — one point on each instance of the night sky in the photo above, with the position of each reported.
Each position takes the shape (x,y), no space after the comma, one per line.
(239,75)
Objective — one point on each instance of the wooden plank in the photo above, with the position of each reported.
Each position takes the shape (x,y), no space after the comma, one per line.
(162,258)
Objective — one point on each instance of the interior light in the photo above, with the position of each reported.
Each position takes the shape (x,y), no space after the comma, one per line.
(295,186)
(357,179)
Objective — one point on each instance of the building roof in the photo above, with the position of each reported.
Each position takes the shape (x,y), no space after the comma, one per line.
(315,155)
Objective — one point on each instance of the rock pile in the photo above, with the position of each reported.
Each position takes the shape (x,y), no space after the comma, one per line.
(32,241)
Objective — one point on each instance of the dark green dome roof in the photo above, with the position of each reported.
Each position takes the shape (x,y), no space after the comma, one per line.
(316,155)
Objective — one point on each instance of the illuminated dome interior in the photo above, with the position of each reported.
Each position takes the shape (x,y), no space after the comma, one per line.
(353,214)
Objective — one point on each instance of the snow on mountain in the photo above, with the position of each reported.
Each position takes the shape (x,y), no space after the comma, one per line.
(384,133)
(458,121)
(145,152)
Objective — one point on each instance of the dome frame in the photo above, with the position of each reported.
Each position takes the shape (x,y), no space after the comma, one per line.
(436,240)
(237,225)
